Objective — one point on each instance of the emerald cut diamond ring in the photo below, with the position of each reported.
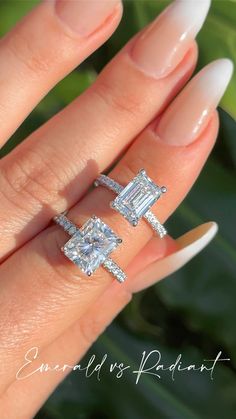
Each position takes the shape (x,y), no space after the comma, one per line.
(135,200)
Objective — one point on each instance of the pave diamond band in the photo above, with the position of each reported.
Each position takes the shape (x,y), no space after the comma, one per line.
(90,246)
(65,223)
(134,200)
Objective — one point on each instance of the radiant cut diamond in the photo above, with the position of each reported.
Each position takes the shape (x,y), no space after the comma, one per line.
(89,246)
(137,197)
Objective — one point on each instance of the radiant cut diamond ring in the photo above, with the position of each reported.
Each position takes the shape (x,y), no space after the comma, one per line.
(135,200)
(90,246)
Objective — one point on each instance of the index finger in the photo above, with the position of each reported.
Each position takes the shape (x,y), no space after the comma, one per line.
(53,39)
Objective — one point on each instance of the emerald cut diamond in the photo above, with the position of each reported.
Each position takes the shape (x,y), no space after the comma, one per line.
(137,197)
(90,246)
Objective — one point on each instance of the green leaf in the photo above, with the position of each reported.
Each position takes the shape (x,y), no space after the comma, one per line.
(217,39)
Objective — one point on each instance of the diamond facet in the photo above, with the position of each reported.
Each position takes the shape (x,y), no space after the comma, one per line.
(137,197)
(89,247)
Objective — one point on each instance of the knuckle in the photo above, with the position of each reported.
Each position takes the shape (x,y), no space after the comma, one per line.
(31,176)
(115,98)
(130,167)
(23,47)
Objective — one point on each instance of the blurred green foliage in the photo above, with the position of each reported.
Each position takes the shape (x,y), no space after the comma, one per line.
(193,311)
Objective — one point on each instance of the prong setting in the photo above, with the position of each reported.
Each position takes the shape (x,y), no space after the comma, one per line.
(135,200)
(137,197)
(90,246)
(142,172)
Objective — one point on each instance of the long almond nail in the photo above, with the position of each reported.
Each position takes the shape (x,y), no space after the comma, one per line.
(190,112)
(85,16)
(163,45)
(190,244)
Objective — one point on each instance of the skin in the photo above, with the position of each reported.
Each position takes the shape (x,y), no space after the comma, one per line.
(44,176)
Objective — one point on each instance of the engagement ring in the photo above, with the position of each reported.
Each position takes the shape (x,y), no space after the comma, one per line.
(90,246)
(135,200)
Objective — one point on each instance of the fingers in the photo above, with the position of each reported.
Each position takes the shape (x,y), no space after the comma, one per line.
(174,150)
(52,290)
(54,168)
(195,104)
(74,342)
(178,25)
(44,47)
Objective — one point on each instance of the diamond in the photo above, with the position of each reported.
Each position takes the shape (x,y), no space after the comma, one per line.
(72,230)
(137,197)
(114,269)
(155,223)
(89,247)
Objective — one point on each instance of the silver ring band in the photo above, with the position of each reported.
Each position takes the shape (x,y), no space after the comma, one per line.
(114,186)
(78,238)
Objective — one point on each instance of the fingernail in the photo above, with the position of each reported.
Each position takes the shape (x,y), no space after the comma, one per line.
(190,245)
(163,45)
(85,16)
(190,112)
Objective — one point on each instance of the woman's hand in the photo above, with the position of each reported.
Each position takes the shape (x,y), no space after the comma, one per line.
(141,107)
